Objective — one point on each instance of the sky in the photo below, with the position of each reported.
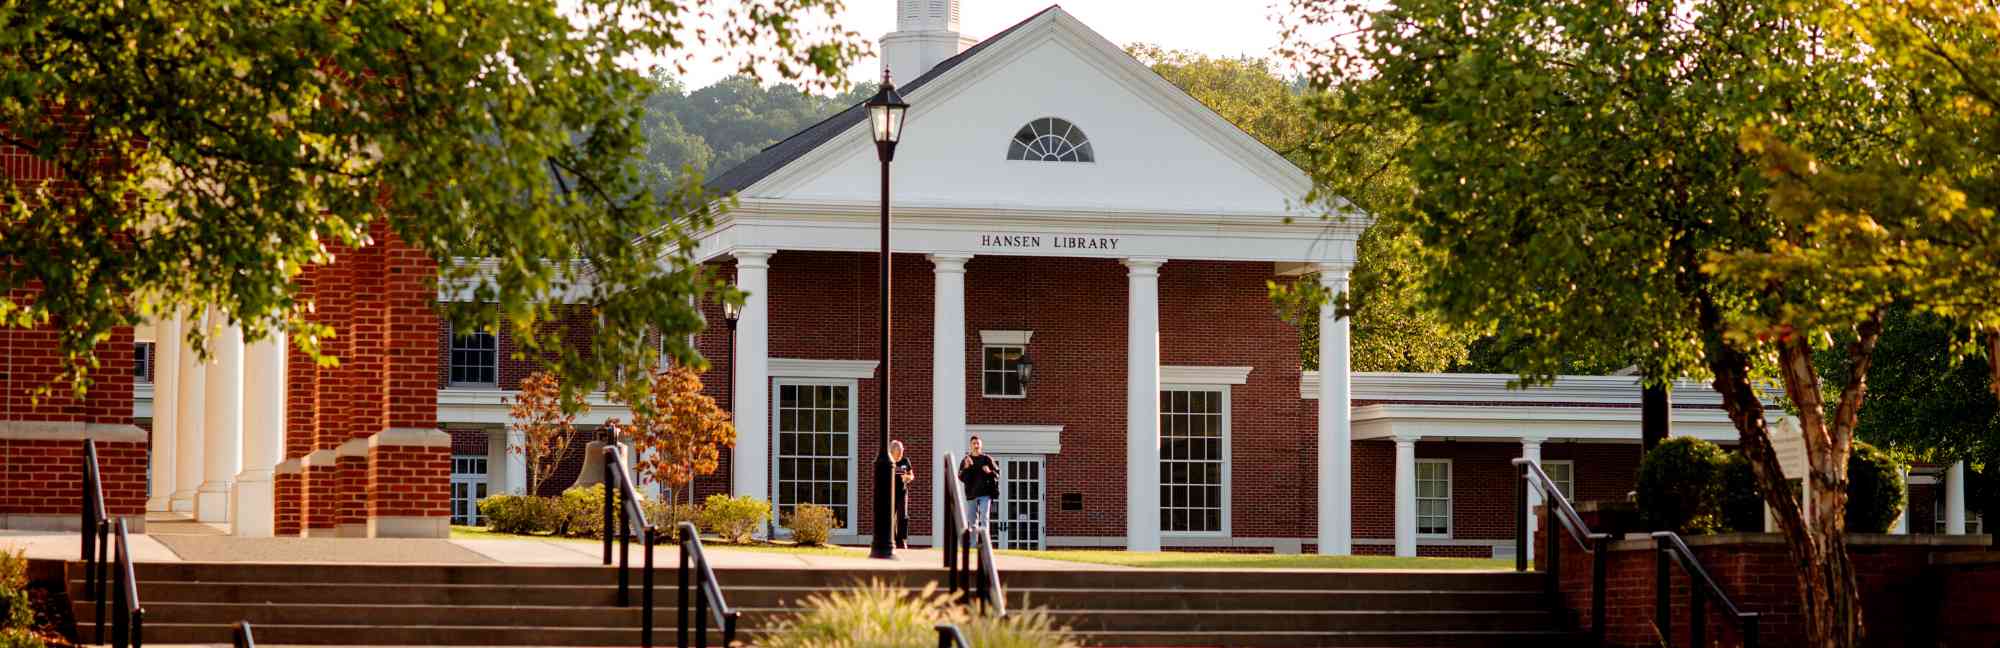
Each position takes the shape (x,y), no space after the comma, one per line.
(1215,27)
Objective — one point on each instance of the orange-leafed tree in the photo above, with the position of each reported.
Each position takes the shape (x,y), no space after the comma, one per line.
(545,424)
(681,433)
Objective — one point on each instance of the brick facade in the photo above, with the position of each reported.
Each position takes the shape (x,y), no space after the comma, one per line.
(41,447)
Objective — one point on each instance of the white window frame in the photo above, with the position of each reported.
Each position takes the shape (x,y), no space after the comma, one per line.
(853,444)
(1448,504)
(984,372)
(1228,463)
(1569,467)
(1974,521)
(451,351)
(472,516)
(144,365)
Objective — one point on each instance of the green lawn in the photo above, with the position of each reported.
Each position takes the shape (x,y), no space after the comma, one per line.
(482,533)
(1191,560)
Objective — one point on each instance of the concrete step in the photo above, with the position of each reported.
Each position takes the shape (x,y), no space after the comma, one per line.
(389,635)
(1293,639)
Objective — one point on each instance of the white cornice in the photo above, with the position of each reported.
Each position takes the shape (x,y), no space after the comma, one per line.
(1493,388)
(1008,438)
(1504,422)
(1189,375)
(801,368)
(1013,338)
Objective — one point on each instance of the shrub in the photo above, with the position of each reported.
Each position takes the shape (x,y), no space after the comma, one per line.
(876,615)
(521,514)
(668,516)
(17,614)
(734,518)
(811,524)
(583,512)
(1680,485)
(1742,502)
(1874,490)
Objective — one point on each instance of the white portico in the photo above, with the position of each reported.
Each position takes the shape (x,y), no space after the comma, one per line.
(1043,141)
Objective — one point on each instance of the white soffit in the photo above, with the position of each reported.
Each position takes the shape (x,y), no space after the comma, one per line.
(1493,388)
(1189,375)
(1018,439)
(801,368)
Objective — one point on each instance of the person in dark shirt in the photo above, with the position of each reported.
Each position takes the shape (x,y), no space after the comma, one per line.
(982,483)
(904,474)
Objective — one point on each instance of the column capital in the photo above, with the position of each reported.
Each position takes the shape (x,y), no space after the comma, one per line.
(1406,439)
(1334,275)
(753,257)
(949,262)
(1143,266)
(1528,441)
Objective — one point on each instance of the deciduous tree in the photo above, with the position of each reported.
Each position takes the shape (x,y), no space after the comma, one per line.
(206,151)
(682,433)
(547,427)
(1576,172)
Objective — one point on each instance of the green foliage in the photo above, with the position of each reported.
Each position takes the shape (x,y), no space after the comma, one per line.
(1680,485)
(734,518)
(1742,502)
(709,130)
(1875,490)
(17,614)
(1390,330)
(1924,400)
(582,510)
(668,516)
(811,524)
(523,514)
(212,149)
(876,615)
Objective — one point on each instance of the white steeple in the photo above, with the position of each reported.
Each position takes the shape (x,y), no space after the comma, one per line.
(926,34)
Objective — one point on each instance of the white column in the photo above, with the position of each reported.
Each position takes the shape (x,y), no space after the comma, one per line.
(947,378)
(1336,437)
(192,397)
(1406,496)
(222,420)
(166,379)
(1954,499)
(1142,404)
(506,470)
(255,497)
(1902,526)
(1531,450)
(750,467)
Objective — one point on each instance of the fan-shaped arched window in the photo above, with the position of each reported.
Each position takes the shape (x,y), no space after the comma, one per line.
(1050,140)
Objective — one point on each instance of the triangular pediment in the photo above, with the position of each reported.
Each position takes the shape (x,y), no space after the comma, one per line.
(1155,148)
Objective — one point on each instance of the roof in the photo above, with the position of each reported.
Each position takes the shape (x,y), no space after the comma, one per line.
(777,156)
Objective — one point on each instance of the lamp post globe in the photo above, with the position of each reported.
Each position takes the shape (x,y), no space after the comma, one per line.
(885,121)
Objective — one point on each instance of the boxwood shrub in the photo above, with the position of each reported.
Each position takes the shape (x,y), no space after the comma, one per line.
(1680,486)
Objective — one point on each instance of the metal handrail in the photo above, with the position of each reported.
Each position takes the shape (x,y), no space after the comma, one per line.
(957,534)
(1701,590)
(1596,544)
(991,594)
(242,637)
(706,592)
(950,637)
(96,531)
(617,482)
(128,621)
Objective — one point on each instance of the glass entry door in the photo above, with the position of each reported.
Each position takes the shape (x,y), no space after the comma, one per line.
(468,487)
(1017,516)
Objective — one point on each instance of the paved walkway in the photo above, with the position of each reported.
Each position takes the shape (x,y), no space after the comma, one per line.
(175,538)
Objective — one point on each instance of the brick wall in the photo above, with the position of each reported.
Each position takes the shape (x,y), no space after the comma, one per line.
(1758,574)
(573,328)
(1970,594)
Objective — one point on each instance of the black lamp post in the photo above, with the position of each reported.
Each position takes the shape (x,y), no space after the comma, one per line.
(730,312)
(885,119)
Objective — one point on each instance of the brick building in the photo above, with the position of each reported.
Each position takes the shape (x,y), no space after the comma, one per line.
(1081,261)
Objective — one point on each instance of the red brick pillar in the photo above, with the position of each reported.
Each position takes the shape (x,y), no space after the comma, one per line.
(41,437)
(320,493)
(409,479)
(301,422)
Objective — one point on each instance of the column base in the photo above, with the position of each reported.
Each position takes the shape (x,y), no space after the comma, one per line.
(255,500)
(212,505)
(182,502)
(409,527)
(159,504)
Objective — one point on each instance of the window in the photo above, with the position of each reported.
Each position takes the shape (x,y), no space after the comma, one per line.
(1193,460)
(475,357)
(815,460)
(1050,140)
(1434,498)
(468,487)
(142,362)
(1563,473)
(1003,371)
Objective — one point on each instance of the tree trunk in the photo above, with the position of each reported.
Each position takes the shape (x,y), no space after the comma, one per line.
(1829,596)
(1993,360)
